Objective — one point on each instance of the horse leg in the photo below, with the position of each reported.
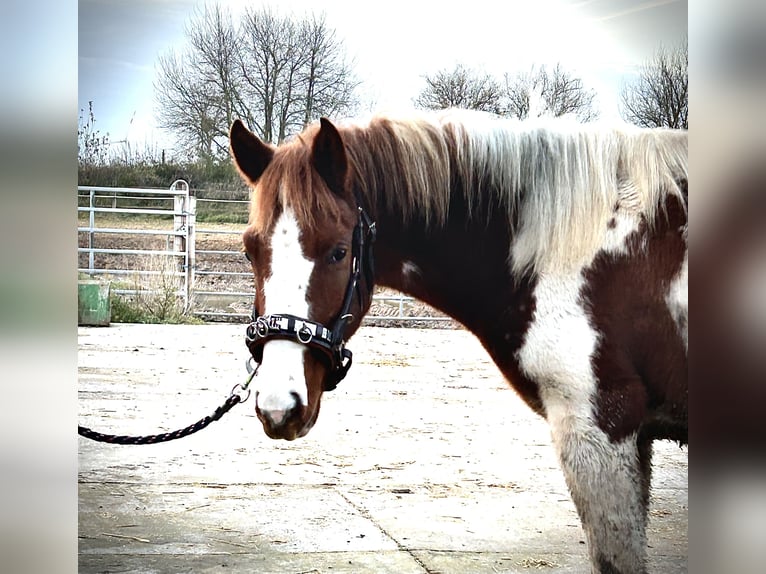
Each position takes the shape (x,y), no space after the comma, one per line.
(608,478)
(609,483)
(645,466)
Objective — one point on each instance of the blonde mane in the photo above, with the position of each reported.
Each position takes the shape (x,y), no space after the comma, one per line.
(559,182)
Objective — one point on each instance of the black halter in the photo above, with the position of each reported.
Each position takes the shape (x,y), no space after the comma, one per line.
(329,341)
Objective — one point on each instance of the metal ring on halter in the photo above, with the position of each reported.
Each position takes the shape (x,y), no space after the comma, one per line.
(249,365)
(261,327)
(307,335)
(241,388)
(349,315)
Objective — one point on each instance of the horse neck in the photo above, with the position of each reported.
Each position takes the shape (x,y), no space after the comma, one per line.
(460,267)
(428,245)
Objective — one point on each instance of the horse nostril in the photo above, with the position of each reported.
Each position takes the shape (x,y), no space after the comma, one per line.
(276,417)
(280,417)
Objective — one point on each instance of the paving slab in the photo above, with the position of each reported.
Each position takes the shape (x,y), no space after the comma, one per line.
(423,460)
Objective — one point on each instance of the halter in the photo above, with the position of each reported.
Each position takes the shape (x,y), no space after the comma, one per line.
(329,341)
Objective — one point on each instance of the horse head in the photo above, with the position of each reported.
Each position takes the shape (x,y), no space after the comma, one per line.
(308,243)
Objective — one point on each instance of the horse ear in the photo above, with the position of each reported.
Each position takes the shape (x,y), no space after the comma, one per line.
(250,154)
(329,156)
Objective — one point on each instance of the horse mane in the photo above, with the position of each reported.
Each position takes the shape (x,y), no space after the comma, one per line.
(559,182)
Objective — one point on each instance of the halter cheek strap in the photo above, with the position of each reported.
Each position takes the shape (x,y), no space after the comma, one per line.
(330,342)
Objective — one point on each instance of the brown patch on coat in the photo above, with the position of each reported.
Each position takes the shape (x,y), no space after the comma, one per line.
(641,362)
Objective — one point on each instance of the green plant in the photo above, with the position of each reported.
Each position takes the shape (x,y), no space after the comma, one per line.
(156,296)
(125,311)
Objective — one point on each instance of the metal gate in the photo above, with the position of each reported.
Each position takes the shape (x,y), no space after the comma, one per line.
(121,221)
(176,203)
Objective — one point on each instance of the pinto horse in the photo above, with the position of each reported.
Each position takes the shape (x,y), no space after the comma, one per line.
(562,247)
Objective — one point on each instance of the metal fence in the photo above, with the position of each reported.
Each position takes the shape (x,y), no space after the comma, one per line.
(158,236)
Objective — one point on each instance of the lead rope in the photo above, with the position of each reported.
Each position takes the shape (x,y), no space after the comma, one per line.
(235,397)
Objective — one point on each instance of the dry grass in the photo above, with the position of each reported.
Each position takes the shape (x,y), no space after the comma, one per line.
(156,298)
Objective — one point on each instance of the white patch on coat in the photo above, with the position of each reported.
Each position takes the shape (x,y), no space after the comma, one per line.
(410,272)
(285,292)
(625,224)
(560,342)
(603,476)
(409,268)
(677,300)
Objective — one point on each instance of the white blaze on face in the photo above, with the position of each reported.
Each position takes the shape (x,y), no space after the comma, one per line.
(281,372)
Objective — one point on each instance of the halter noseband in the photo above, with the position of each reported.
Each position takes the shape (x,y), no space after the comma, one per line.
(329,341)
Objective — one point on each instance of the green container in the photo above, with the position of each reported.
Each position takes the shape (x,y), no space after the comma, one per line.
(94,309)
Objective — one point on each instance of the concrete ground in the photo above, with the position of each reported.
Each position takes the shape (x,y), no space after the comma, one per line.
(422,461)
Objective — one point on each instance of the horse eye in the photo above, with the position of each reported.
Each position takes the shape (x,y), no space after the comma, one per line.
(338,254)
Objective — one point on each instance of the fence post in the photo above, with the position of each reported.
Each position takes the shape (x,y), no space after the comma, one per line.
(180,226)
(191,239)
(92,225)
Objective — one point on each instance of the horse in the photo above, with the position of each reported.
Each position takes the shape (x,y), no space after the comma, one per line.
(562,247)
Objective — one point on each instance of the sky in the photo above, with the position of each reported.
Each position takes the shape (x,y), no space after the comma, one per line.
(392,43)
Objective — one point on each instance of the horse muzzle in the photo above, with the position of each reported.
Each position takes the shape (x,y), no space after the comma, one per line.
(286,423)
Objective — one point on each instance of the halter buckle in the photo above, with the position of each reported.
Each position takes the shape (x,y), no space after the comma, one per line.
(304,334)
(261,327)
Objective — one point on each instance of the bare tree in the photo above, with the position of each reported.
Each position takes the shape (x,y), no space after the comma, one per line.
(460,88)
(276,73)
(660,95)
(269,61)
(556,93)
(330,84)
(296,71)
(199,92)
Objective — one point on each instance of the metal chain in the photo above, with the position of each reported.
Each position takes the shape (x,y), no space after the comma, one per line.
(234,398)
